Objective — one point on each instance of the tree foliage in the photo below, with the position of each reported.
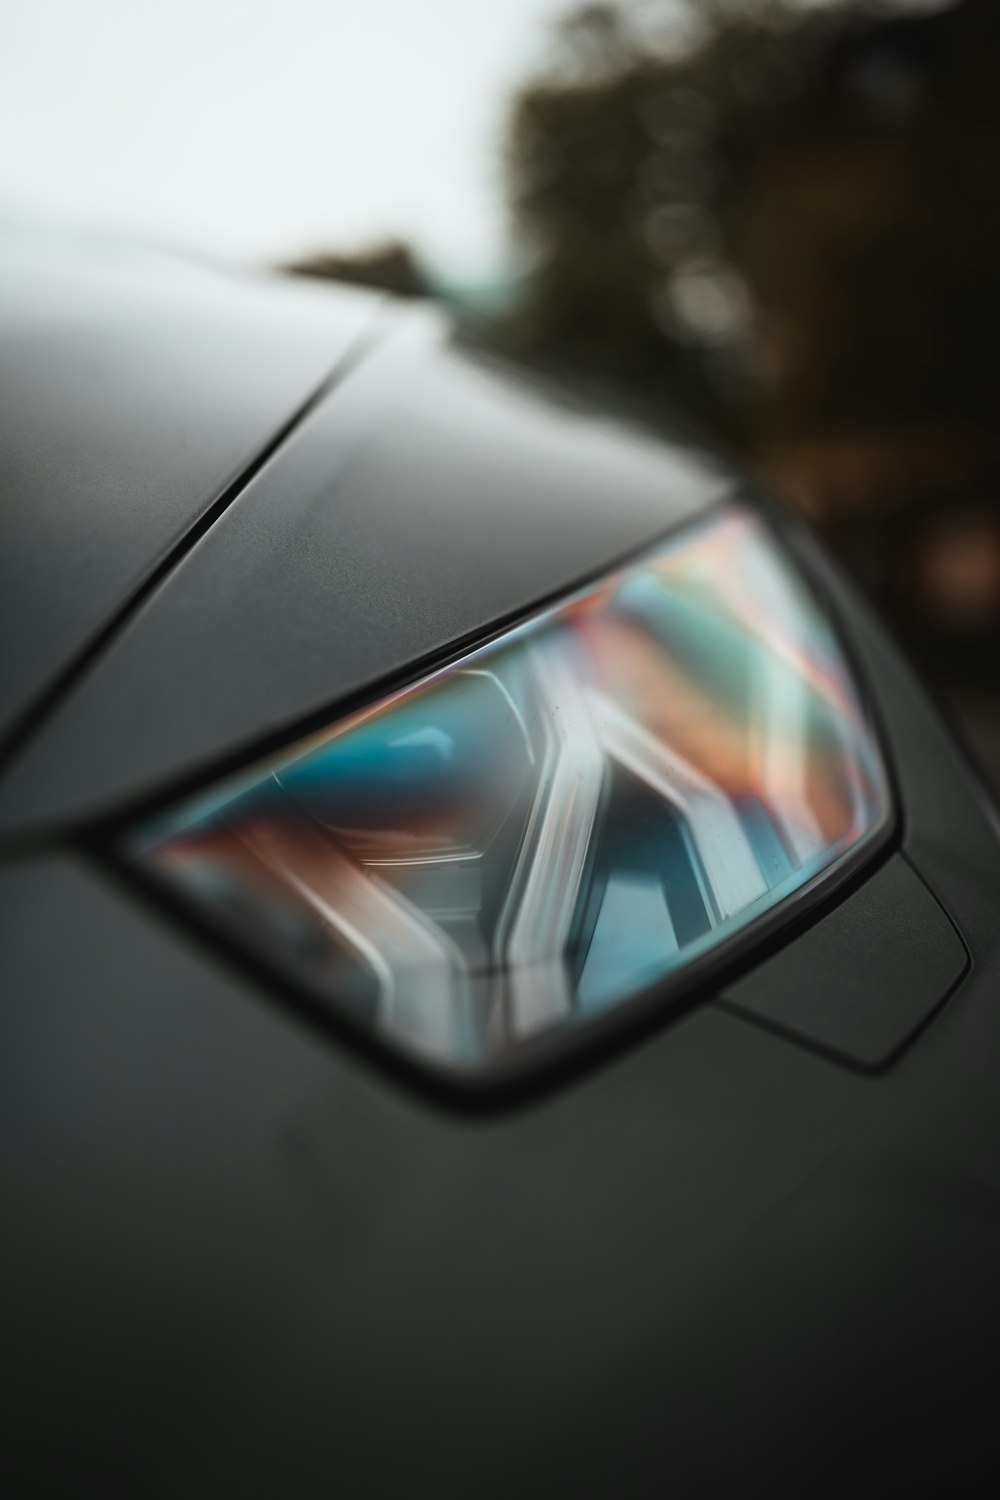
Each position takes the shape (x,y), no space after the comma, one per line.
(801,204)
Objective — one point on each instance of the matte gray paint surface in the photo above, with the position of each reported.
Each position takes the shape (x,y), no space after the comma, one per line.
(428,497)
(134,388)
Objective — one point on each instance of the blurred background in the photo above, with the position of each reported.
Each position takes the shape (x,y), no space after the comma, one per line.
(772,226)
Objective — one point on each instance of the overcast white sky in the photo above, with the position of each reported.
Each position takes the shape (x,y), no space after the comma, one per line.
(264,127)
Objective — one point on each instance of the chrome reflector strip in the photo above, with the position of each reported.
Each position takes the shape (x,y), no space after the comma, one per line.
(574,813)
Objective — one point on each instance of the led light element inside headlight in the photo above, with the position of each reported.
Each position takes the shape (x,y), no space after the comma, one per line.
(564,818)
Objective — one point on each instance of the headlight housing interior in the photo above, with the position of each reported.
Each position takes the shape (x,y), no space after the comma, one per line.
(592,806)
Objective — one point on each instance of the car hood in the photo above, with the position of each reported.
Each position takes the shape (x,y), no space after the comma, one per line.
(237,505)
(135,389)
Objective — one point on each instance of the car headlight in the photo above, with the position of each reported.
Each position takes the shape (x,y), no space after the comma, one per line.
(595,805)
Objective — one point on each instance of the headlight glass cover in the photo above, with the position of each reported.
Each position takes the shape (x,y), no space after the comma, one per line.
(591,806)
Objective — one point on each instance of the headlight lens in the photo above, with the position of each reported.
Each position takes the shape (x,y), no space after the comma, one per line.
(580,810)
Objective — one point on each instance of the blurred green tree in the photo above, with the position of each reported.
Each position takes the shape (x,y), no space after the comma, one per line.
(795,208)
